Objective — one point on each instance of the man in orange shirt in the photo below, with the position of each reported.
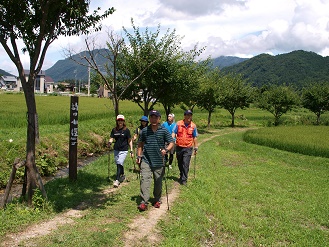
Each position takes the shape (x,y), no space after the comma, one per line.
(186,142)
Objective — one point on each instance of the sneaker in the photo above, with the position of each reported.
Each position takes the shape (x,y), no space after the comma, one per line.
(157,204)
(170,166)
(116,183)
(122,178)
(142,207)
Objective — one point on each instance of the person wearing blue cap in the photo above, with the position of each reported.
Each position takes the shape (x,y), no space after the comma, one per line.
(144,121)
(151,151)
(186,142)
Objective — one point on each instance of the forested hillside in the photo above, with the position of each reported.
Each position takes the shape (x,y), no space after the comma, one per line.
(225,61)
(65,69)
(2,72)
(69,69)
(297,68)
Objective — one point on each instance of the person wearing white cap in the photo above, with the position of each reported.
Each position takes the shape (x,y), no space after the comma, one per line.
(170,126)
(123,140)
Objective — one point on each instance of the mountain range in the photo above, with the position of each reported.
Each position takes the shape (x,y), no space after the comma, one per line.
(297,68)
(2,72)
(68,69)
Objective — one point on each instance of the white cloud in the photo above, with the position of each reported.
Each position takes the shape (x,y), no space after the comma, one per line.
(242,28)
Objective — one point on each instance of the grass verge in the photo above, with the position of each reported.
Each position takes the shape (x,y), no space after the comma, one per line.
(243,195)
(249,195)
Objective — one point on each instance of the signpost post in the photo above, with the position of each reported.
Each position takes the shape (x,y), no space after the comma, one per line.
(73,146)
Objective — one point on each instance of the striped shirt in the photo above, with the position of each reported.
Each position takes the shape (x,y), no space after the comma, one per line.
(153,143)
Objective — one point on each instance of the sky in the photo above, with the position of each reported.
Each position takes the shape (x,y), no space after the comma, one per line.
(242,28)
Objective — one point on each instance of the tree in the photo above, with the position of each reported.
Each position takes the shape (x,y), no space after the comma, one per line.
(316,99)
(166,77)
(234,93)
(37,24)
(278,100)
(207,97)
(112,74)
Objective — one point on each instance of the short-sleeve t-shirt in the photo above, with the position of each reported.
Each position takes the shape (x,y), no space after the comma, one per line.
(153,143)
(121,137)
(169,127)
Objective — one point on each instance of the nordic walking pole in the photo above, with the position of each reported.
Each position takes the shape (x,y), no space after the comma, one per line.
(134,162)
(194,163)
(109,162)
(165,179)
(108,165)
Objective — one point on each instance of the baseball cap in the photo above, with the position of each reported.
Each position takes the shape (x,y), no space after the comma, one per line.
(171,115)
(144,118)
(120,117)
(155,112)
(188,112)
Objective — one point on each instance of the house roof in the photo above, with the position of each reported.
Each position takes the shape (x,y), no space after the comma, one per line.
(48,79)
(27,72)
(6,78)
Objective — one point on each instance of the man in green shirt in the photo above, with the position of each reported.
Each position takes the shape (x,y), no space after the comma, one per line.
(151,151)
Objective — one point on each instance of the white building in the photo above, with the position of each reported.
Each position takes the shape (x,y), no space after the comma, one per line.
(41,85)
(49,84)
(8,82)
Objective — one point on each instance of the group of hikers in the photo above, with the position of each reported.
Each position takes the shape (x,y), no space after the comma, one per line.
(156,145)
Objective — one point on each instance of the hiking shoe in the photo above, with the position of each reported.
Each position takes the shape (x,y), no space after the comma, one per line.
(183,182)
(116,183)
(122,178)
(142,207)
(157,204)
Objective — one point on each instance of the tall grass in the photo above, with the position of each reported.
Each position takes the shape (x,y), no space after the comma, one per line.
(309,140)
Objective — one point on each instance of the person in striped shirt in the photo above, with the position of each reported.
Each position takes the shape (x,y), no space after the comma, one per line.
(151,152)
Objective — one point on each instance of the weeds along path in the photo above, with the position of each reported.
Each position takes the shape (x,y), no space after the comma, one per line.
(142,230)
(44,228)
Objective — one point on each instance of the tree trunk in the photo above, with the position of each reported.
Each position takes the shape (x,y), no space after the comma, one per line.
(318,119)
(30,142)
(232,123)
(209,118)
(32,174)
(116,105)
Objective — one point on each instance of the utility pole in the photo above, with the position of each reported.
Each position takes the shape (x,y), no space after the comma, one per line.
(75,81)
(88,80)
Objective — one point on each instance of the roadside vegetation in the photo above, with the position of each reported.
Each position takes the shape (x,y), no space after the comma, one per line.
(242,194)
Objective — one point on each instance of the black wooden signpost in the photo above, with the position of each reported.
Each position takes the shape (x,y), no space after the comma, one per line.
(73,146)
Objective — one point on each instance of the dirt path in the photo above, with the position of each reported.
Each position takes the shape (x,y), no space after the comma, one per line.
(142,229)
